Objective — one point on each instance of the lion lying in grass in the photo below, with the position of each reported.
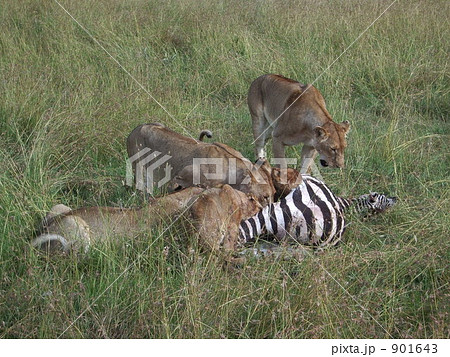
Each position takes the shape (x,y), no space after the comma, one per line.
(212,215)
(66,230)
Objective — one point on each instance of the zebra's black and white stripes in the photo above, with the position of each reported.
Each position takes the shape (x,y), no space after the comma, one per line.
(311,214)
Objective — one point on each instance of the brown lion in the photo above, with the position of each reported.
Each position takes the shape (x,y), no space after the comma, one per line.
(66,230)
(215,217)
(212,216)
(217,163)
(294,113)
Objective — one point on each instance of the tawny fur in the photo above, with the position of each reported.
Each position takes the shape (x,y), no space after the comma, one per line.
(249,178)
(76,230)
(306,121)
(215,217)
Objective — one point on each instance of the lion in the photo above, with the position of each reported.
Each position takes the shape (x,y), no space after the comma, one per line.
(191,162)
(212,216)
(295,113)
(284,181)
(215,217)
(75,231)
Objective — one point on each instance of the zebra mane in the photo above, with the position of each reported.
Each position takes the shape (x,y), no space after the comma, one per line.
(357,205)
(372,203)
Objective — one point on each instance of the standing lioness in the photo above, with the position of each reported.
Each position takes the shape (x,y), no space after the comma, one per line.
(295,113)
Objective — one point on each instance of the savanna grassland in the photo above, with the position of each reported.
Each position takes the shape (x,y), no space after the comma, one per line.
(66,109)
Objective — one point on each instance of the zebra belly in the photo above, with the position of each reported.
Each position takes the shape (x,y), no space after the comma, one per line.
(315,213)
(310,215)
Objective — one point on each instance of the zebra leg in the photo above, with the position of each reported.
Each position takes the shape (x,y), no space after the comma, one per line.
(64,234)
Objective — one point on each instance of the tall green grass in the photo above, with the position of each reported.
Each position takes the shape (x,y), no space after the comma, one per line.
(66,109)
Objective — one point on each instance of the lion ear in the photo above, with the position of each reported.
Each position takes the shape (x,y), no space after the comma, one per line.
(265,162)
(321,133)
(346,125)
(276,173)
(253,198)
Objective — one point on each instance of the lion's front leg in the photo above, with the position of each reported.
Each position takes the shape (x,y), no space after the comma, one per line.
(307,159)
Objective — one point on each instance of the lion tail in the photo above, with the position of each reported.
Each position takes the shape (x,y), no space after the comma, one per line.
(49,242)
(206,133)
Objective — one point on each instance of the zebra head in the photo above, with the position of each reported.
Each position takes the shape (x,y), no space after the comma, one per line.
(376,202)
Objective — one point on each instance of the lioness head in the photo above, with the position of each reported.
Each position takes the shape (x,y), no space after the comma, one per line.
(285,181)
(217,213)
(258,181)
(330,142)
